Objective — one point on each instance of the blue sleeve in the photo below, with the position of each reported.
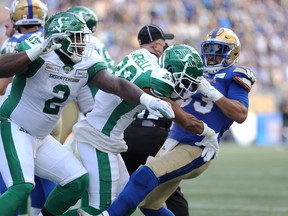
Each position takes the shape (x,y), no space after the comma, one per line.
(237,92)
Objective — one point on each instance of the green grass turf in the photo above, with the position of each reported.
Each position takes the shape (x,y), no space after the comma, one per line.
(243,181)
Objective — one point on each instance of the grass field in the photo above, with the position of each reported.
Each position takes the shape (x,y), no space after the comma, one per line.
(243,181)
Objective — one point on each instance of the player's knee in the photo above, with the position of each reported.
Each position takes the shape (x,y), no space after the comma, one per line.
(79,185)
(142,182)
(144,179)
(22,190)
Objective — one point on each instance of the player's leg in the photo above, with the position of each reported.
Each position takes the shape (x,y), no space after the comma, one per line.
(141,142)
(153,204)
(190,160)
(145,141)
(23,209)
(39,194)
(182,162)
(177,203)
(56,163)
(17,166)
(43,186)
(107,174)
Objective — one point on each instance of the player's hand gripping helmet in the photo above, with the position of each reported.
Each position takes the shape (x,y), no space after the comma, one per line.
(186,66)
(87,14)
(75,28)
(28,12)
(220,50)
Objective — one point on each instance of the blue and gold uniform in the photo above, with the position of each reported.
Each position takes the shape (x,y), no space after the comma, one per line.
(226,81)
(221,99)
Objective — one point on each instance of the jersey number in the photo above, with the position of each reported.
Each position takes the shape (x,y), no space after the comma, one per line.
(51,106)
(204,107)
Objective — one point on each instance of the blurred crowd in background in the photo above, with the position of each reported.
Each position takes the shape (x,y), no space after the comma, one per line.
(260,25)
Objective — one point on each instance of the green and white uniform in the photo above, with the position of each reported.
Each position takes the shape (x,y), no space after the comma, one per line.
(29,113)
(100,136)
(85,99)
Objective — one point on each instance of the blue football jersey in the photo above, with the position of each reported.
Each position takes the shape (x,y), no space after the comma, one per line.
(12,42)
(227,82)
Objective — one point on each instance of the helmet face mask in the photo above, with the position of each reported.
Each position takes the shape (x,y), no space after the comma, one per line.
(74,46)
(185,86)
(186,66)
(23,12)
(221,50)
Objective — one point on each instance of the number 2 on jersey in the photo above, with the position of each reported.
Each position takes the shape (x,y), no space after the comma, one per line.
(51,106)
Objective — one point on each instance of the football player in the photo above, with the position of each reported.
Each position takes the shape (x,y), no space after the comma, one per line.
(145,136)
(100,136)
(24,25)
(48,76)
(222,98)
(85,99)
(26,19)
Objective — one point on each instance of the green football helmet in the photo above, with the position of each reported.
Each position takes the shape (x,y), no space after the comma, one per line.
(73,46)
(186,66)
(87,14)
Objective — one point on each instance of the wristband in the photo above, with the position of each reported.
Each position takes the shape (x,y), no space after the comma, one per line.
(34,53)
(145,99)
(207,131)
(214,94)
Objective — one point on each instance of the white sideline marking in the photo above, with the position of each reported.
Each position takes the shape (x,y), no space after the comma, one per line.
(239,207)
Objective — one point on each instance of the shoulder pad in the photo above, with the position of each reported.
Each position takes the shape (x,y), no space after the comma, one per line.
(161,83)
(245,77)
(162,75)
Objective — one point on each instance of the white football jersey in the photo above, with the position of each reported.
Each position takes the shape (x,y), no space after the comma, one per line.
(111,115)
(37,97)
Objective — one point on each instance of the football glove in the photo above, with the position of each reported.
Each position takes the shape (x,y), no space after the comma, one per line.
(47,46)
(211,147)
(157,106)
(205,88)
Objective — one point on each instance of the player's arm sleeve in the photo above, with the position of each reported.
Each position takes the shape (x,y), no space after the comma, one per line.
(159,82)
(94,69)
(237,92)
